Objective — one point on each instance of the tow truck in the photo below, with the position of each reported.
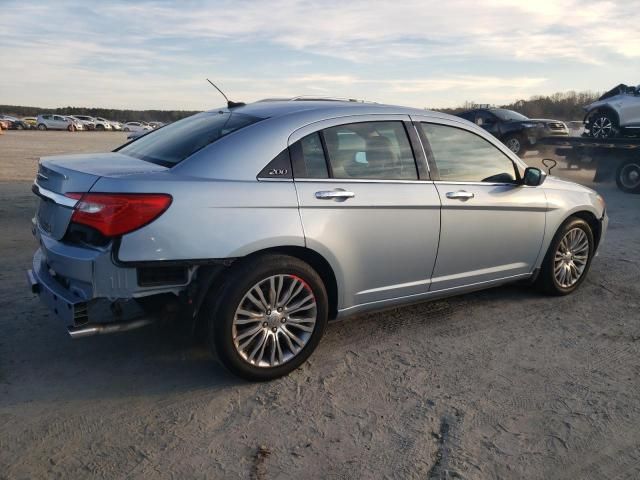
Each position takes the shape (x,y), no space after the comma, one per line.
(617,157)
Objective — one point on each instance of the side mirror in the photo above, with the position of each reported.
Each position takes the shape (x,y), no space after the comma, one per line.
(533,177)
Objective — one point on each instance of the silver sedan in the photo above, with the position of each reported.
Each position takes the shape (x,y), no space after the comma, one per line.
(255,225)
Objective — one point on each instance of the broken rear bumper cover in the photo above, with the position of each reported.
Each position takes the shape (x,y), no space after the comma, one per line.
(89,293)
(83,316)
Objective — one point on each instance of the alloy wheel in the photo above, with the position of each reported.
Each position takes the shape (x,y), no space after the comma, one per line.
(602,127)
(514,145)
(274,320)
(571,258)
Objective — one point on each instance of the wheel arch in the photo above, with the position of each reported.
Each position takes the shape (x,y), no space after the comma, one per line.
(593,222)
(307,255)
(604,109)
(318,263)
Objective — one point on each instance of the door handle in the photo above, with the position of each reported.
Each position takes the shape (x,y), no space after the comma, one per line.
(339,195)
(460,195)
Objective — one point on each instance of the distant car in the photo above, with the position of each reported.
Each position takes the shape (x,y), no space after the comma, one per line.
(100,123)
(52,121)
(614,114)
(32,121)
(513,129)
(15,123)
(86,121)
(156,124)
(134,135)
(136,127)
(108,124)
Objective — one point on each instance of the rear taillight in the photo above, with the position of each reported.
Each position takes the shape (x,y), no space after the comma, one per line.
(114,214)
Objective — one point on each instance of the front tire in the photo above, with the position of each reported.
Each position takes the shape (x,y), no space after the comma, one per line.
(603,125)
(567,262)
(42,127)
(515,143)
(628,177)
(267,317)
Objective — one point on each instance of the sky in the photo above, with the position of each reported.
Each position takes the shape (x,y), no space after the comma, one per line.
(420,53)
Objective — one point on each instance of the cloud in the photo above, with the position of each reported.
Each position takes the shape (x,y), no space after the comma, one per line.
(420,52)
(364,30)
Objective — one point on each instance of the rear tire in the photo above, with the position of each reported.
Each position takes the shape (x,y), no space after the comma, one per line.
(628,176)
(263,337)
(568,259)
(126,129)
(100,127)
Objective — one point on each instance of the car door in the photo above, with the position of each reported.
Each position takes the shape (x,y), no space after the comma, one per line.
(492,227)
(367,207)
(60,122)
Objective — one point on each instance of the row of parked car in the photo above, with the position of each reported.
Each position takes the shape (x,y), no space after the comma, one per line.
(72,123)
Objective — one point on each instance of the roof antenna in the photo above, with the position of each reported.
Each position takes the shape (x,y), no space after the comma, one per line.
(230,104)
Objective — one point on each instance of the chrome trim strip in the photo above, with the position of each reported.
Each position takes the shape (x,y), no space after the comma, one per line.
(358,180)
(53,196)
(491,184)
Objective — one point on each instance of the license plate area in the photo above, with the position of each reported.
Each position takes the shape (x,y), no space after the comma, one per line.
(52,219)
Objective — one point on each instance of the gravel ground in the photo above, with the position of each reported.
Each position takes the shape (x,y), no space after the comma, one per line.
(504,383)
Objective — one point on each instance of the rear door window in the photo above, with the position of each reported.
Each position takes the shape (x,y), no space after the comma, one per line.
(171,144)
(366,150)
(370,150)
(309,159)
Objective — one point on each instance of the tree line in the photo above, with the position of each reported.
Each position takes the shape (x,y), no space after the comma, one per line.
(565,106)
(165,116)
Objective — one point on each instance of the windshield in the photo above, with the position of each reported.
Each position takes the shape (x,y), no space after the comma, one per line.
(507,115)
(171,144)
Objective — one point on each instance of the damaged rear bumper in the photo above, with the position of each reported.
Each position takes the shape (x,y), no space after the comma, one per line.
(83,316)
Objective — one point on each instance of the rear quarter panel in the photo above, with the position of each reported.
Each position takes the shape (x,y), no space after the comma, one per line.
(209,219)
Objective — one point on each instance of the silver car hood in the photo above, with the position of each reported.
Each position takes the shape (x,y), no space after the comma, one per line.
(555,183)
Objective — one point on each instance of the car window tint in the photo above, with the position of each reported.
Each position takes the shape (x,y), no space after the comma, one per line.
(370,150)
(309,160)
(466,157)
(486,117)
(170,145)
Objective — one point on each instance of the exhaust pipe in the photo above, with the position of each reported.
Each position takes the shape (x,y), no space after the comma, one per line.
(105,328)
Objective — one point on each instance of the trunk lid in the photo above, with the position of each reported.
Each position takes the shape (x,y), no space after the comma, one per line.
(62,174)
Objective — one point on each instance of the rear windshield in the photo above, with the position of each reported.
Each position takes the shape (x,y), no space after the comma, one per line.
(172,143)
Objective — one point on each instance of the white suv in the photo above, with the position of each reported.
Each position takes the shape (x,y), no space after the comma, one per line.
(614,114)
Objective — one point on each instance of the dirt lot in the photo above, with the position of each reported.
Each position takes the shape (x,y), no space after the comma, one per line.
(500,384)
